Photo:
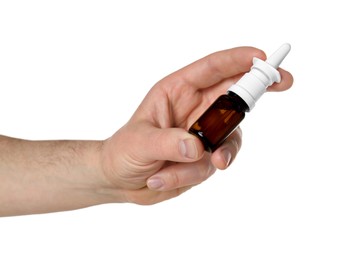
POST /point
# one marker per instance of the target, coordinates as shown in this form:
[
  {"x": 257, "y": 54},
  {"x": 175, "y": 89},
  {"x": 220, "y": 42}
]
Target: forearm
[{"x": 48, "y": 176}]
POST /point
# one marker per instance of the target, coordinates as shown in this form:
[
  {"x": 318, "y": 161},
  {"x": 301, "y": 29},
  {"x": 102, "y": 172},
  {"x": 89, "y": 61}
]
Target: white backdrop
[{"x": 78, "y": 69}]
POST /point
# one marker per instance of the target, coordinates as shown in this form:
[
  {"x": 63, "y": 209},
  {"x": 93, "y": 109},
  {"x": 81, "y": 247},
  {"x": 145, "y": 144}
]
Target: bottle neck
[
  {"x": 252, "y": 85},
  {"x": 242, "y": 105}
]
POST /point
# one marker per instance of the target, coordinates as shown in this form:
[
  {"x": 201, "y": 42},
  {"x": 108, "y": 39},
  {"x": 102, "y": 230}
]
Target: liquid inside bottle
[{"x": 219, "y": 120}]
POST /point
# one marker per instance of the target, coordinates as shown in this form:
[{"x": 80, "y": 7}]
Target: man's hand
[{"x": 153, "y": 157}]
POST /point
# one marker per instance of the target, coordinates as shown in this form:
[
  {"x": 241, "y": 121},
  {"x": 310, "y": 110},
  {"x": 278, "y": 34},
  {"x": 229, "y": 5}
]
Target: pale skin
[{"x": 150, "y": 159}]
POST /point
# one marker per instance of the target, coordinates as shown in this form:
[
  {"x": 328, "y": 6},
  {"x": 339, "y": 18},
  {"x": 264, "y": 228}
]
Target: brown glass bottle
[{"x": 219, "y": 120}]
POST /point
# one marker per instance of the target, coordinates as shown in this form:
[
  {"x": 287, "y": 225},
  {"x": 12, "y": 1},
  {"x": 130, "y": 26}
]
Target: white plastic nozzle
[
  {"x": 276, "y": 58},
  {"x": 262, "y": 75}
]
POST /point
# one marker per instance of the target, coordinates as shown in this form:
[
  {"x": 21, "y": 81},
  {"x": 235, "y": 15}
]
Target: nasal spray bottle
[{"x": 226, "y": 113}]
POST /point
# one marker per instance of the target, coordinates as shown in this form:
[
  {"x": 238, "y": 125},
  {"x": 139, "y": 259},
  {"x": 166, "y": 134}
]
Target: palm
[{"x": 168, "y": 105}]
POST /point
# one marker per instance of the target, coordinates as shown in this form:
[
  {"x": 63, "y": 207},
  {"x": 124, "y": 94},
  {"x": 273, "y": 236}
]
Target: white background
[{"x": 78, "y": 69}]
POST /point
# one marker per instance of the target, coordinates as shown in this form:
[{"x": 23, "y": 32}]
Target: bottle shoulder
[{"x": 231, "y": 101}]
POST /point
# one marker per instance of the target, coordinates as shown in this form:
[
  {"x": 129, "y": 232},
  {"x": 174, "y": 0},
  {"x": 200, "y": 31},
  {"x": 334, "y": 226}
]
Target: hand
[{"x": 153, "y": 158}]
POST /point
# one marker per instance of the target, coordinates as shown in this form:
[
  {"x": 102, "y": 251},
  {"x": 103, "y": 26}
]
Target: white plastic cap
[{"x": 262, "y": 75}]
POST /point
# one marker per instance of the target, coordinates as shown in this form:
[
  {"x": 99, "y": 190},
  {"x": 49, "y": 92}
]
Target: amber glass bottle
[
  {"x": 219, "y": 120},
  {"x": 226, "y": 113}
]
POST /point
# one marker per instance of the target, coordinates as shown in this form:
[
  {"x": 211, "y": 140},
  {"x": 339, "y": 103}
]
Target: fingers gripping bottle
[{"x": 226, "y": 113}]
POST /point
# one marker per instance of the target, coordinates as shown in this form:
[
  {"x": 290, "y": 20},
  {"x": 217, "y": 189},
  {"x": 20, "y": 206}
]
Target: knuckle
[{"x": 175, "y": 180}]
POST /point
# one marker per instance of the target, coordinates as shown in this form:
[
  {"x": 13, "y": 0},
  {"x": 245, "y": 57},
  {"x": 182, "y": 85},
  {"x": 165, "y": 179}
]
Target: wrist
[{"x": 97, "y": 185}]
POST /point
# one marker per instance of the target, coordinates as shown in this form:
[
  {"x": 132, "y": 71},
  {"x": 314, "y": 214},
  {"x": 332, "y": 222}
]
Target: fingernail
[
  {"x": 188, "y": 148},
  {"x": 155, "y": 183},
  {"x": 227, "y": 157}
]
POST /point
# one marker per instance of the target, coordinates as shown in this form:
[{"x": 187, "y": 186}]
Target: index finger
[
  {"x": 218, "y": 66},
  {"x": 285, "y": 83}
]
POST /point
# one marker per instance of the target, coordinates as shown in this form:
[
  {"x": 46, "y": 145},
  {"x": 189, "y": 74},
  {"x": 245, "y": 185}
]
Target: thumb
[{"x": 172, "y": 144}]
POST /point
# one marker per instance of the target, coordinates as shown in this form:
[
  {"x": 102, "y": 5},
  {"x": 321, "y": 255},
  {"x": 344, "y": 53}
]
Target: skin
[{"x": 150, "y": 159}]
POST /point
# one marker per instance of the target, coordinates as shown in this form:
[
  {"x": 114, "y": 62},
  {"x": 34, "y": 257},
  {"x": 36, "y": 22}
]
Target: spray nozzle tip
[{"x": 278, "y": 56}]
